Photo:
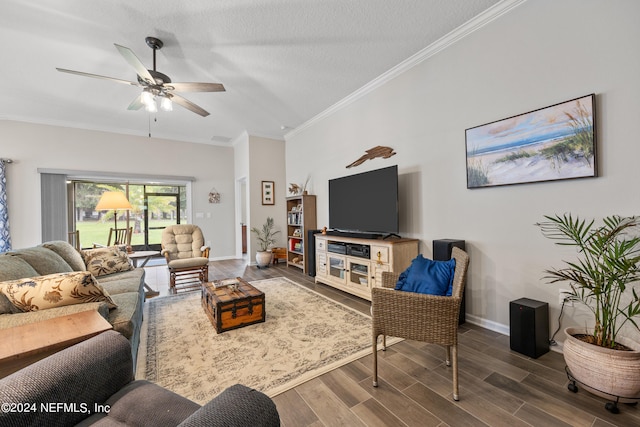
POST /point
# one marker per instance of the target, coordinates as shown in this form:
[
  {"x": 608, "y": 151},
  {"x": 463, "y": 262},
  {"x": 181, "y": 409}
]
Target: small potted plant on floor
[
  {"x": 266, "y": 239},
  {"x": 602, "y": 279}
]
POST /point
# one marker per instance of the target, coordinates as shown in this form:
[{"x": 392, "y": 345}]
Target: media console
[{"x": 355, "y": 265}]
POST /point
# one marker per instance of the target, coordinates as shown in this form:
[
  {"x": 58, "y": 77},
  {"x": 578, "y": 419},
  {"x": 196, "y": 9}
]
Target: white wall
[
  {"x": 541, "y": 53},
  {"x": 33, "y": 146},
  {"x": 243, "y": 203},
  {"x": 266, "y": 163}
]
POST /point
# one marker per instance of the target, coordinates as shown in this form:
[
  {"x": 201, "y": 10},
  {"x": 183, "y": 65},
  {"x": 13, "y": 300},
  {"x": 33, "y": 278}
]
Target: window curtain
[
  {"x": 53, "y": 200},
  {"x": 5, "y": 237}
]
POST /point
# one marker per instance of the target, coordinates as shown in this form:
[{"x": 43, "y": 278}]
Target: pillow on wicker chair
[{"x": 426, "y": 276}]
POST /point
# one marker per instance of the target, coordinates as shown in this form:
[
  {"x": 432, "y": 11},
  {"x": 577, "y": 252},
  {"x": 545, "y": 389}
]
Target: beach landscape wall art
[{"x": 552, "y": 143}]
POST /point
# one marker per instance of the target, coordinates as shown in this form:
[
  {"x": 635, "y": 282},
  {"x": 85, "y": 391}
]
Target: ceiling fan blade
[
  {"x": 188, "y": 105},
  {"x": 136, "y": 104},
  {"x": 133, "y": 60},
  {"x": 97, "y": 76},
  {"x": 196, "y": 87}
]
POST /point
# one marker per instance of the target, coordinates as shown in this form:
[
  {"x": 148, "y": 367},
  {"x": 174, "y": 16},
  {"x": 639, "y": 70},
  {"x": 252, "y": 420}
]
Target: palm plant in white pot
[
  {"x": 602, "y": 279},
  {"x": 266, "y": 239}
]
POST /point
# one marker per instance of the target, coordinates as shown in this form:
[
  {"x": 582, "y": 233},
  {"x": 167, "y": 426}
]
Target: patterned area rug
[{"x": 305, "y": 334}]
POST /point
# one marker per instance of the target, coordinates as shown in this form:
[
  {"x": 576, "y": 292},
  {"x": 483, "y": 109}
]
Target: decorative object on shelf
[
  {"x": 372, "y": 153},
  {"x": 214, "y": 196},
  {"x": 296, "y": 190},
  {"x": 608, "y": 264},
  {"x": 268, "y": 193},
  {"x": 324, "y": 230},
  {"x": 266, "y": 238},
  {"x": 548, "y": 144}
]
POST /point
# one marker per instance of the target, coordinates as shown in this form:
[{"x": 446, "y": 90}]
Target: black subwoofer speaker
[
  {"x": 529, "y": 327},
  {"x": 311, "y": 251},
  {"x": 442, "y": 252}
]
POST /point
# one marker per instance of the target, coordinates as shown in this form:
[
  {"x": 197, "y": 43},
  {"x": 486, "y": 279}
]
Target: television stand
[
  {"x": 353, "y": 234},
  {"x": 355, "y": 264},
  {"x": 390, "y": 235}
]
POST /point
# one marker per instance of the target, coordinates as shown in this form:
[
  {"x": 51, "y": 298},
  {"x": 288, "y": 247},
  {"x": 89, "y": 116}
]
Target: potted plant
[
  {"x": 601, "y": 279},
  {"x": 266, "y": 238}
]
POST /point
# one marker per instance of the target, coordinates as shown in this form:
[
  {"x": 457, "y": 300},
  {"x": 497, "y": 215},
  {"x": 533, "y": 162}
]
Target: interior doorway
[
  {"x": 242, "y": 232},
  {"x": 160, "y": 211}
]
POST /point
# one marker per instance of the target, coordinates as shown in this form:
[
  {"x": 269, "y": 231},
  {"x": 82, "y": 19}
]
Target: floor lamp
[{"x": 115, "y": 200}]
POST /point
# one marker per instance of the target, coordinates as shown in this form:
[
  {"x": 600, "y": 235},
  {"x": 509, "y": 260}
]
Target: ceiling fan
[{"x": 156, "y": 84}]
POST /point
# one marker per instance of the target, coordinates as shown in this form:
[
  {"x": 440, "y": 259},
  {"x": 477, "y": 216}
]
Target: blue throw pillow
[{"x": 426, "y": 276}]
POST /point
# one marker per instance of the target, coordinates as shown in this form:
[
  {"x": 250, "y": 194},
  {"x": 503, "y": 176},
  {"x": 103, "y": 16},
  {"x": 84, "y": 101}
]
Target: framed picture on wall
[
  {"x": 551, "y": 143},
  {"x": 268, "y": 191}
]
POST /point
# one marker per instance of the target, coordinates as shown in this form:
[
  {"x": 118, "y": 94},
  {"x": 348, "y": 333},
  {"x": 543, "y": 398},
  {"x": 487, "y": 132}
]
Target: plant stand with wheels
[{"x": 609, "y": 406}]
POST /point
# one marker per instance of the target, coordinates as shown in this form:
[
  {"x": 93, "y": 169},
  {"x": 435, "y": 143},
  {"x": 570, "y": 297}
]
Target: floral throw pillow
[
  {"x": 103, "y": 261},
  {"x": 55, "y": 290}
]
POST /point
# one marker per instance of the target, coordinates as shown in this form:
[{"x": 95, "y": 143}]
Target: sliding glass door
[
  {"x": 153, "y": 208},
  {"x": 163, "y": 207}
]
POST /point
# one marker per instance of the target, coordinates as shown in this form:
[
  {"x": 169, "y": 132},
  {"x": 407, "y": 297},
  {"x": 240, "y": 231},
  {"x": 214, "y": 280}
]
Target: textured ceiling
[{"x": 282, "y": 62}]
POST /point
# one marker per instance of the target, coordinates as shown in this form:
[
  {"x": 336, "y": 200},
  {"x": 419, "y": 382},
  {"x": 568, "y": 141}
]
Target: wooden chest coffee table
[{"x": 232, "y": 306}]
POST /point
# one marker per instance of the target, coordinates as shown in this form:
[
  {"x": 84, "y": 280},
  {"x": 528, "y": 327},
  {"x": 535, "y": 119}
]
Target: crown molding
[
  {"x": 119, "y": 131},
  {"x": 454, "y": 36}
]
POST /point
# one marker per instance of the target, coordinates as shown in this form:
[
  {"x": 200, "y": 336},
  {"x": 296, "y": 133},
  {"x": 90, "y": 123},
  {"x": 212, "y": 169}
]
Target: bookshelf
[{"x": 301, "y": 216}]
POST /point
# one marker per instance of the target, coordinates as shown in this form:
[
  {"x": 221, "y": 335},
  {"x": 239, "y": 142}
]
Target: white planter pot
[
  {"x": 263, "y": 258},
  {"x": 613, "y": 372}
]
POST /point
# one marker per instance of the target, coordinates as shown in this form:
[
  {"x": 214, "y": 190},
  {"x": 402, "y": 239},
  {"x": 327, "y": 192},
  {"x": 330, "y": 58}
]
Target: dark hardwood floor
[{"x": 498, "y": 387}]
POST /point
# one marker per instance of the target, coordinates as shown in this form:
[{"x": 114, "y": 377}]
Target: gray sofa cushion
[
  {"x": 43, "y": 260},
  {"x": 126, "y": 281},
  {"x": 68, "y": 253},
  {"x": 5, "y": 305},
  {"x": 13, "y": 268},
  {"x": 123, "y": 317},
  {"x": 142, "y": 403},
  {"x": 238, "y": 405}
]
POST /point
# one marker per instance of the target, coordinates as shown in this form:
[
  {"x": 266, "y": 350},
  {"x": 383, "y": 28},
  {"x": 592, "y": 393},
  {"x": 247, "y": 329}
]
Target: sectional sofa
[{"x": 122, "y": 306}]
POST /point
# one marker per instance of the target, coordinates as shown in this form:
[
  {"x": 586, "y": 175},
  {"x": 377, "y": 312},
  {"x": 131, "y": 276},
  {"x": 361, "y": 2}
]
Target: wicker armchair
[{"x": 420, "y": 317}]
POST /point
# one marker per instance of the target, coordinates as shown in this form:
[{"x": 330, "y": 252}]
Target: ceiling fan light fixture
[
  {"x": 147, "y": 98},
  {"x": 152, "y": 107},
  {"x": 166, "y": 104}
]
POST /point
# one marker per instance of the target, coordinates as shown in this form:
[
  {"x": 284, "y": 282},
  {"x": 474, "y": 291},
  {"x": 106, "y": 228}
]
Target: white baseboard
[
  {"x": 223, "y": 258},
  {"x": 487, "y": 324},
  {"x": 502, "y": 329}
]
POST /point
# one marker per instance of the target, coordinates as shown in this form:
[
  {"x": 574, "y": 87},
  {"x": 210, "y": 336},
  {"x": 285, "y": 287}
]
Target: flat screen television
[{"x": 365, "y": 203}]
